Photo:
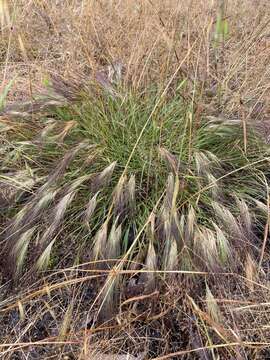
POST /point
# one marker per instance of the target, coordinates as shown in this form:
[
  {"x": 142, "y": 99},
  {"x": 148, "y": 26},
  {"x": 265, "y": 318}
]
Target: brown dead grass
[{"x": 150, "y": 38}]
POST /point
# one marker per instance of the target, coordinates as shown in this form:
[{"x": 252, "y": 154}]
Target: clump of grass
[
  {"x": 133, "y": 181},
  {"x": 129, "y": 159}
]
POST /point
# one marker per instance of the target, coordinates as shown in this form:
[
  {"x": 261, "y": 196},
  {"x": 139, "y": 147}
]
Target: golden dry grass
[{"x": 151, "y": 38}]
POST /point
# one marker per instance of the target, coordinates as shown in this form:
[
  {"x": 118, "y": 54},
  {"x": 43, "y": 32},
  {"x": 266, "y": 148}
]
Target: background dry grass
[
  {"x": 150, "y": 38},
  {"x": 230, "y": 81}
]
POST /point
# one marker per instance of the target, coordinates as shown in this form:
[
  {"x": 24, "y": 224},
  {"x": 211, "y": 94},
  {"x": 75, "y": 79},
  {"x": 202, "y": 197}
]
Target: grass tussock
[{"x": 134, "y": 186}]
